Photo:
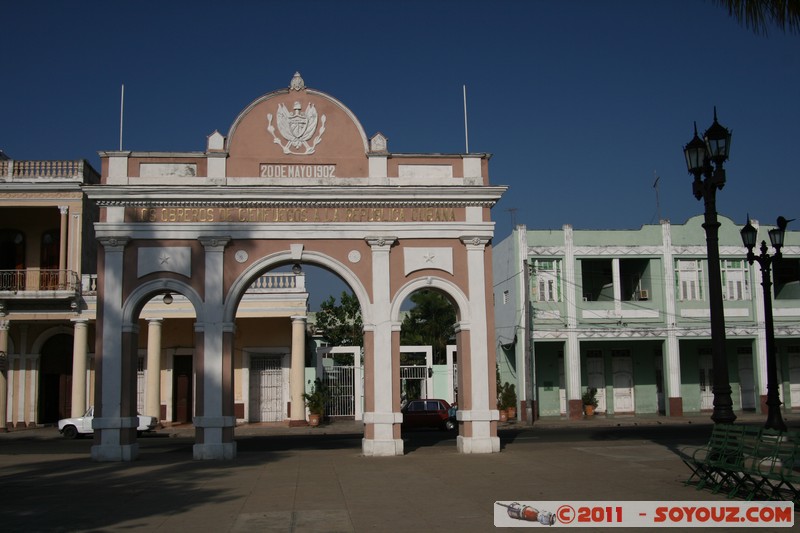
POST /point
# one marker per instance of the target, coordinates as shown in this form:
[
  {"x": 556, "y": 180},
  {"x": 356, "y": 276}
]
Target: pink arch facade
[{"x": 296, "y": 180}]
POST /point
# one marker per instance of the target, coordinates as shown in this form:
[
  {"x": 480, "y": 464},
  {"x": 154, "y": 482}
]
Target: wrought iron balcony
[{"x": 38, "y": 284}]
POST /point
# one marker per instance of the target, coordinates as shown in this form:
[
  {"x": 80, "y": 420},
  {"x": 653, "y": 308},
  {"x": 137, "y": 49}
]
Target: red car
[{"x": 429, "y": 413}]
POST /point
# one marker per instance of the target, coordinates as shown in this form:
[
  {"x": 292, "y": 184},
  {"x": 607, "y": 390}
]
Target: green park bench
[{"x": 747, "y": 461}]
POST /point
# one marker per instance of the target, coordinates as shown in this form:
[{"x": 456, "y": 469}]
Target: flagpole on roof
[
  {"x": 121, "y": 109},
  {"x": 466, "y": 131}
]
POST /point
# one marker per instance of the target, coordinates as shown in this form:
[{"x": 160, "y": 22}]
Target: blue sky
[{"x": 581, "y": 103}]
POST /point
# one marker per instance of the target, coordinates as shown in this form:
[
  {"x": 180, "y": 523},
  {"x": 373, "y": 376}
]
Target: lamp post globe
[{"x": 704, "y": 160}]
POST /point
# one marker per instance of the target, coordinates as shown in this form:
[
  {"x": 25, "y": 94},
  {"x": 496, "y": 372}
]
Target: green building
[{"x": 627, "y": 312}]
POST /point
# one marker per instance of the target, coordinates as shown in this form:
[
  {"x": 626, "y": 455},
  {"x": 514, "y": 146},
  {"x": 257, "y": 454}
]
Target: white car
[{"x": 72, "y": 427}]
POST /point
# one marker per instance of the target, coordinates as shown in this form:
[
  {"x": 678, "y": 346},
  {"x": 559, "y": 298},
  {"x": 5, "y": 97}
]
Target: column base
[
  {"x": 382, "y": 434},
  {"x": 676, "y": 406},
  {"x": 224, "y": 451},
  {"x": 575, "y": 408},
  {"x": 481, "y": 426},
  {"x": 115, "y": 452},
  {"x": 478, "y": 444},
  {"x": 216, "y": 434},
  {"x": 382, "y": 448},
  {"x": 297, "y": 423}
]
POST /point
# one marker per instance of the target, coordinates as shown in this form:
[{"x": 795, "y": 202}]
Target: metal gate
[
  {"x": 140, "y": 384},
  {"x": 266, "y": 389},
  {"x": 340, "y": 381},
  {"x": 413, "y": 382}
]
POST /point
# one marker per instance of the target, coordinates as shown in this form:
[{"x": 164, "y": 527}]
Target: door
[
  {"x": 266, "y": 389},
  {"x": 706, "y": 382},
  {"x": 794, "y": 379},
  {"x": 596, "y": 377},
  {"x": 659, "y": 360},
  {"x": 182, "y": 386},
  {"x": 562, "y": 391},
  {"x": 622, "y": 368},
  {"x": 746, "y": 381},
  {"x": 55, "y": 379}
]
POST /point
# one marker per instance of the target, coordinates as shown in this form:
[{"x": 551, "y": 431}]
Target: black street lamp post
[
  {"x": 749, "y": 236},
  {"x": 704, "y": 159}
]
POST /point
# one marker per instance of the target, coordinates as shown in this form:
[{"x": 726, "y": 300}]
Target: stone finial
[
  {"x": 378, "y": 143},
  {"x": 297, "y": 83}
]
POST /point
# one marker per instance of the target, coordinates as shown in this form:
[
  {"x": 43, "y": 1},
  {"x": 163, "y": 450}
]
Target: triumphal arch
[{"x": 295, "y": 181}]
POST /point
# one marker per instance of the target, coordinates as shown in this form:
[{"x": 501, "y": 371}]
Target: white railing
[
  {"x": 12, "y": 169},
  {"x": 279, "y": 281},
  {"x": 88, "y": 283},
  {"x": 276, "y": 282}
]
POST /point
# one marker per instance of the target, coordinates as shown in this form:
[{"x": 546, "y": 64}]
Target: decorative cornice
[
  {"x": 341, "y": 196},
  {"x": 293, "y": 204},
  {"x": 642, "y": 333}
]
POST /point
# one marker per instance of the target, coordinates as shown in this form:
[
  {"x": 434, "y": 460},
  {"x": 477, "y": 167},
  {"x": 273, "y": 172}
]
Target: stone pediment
[{"x": 297, "y": 128}]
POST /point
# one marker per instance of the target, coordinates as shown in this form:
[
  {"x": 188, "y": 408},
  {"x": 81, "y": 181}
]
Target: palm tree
[{"x": 759, "y": 15}]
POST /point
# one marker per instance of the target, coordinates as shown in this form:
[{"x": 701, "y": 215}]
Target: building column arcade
[
  {"x": 382, "y": 423},
  {"x": 298, "y": 372},
  {"x": 152, "y": 399},
  {"x": 80, "y": 360}
]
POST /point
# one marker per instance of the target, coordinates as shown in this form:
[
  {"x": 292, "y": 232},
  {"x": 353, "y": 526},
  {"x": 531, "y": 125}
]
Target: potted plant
[
  {"x": 316, "y": 401},
  {"x": 589, "y": 399},
  {"x": 509, "y": 399},
  {"x": 501, "y": 401}
]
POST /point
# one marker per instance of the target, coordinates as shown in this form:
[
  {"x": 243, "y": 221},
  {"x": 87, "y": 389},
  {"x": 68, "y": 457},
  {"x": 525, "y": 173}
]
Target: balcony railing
[
  {"x": 34, "y": 282},
  {"x": 28, "y": 170},
  {"x": 278, "y": 282},
  {"x": 266, "y": 283}
]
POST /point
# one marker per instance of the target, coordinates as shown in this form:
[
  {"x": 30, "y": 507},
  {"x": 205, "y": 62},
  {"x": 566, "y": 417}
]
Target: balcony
[
  {"x": 26, "y": 171},
  {"x": 39, "y": 284}
]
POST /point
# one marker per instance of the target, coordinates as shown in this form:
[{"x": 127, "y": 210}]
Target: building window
[
  {"x": 547, "y": 280},
  {"x": 786, "y": 279},
  {"x": 634, "y": 279},
  {"x": 597, "y": 277},
  {"x": 689, "y": 274},
  {"x": 734, "y": 280}
]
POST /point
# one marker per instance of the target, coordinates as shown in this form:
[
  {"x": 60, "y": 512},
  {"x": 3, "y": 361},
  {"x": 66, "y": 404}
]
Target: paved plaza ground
[{"x": 315, "y": 479}]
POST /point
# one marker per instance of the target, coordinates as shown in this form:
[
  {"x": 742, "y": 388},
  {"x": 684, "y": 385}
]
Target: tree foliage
[
  {"x": 341, "y": 324},
  {"x": 760, "y": 15},
  {"x": 431, "y": 322}
]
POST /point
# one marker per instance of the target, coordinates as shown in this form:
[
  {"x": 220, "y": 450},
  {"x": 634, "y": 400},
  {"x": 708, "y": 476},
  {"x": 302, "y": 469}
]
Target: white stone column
[
  {"x": 572, "y": 354},
  {"x": 382, "y": 419},
  {"x": 482, "y": 438},
  {"x": 213, "y": 425},
  {"x": 110, "y": 424},
  {"x": 62, "y": 244},
  {"x": 79, "y": 364},
  {"x": 152, "y": 399},
  {"x": 298, "y": 371},
  {"x": 4, "y": 359},
  {"x": 672, "y": 357}
]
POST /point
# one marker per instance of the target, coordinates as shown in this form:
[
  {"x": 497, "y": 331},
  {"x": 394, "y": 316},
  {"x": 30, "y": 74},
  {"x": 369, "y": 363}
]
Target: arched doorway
[
  {"x": 295, "y": 181},
  {"x": 55, "y": 379}
]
